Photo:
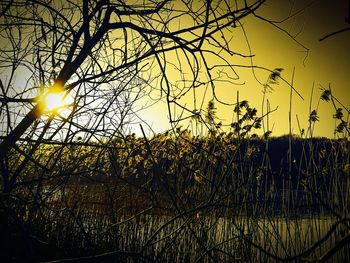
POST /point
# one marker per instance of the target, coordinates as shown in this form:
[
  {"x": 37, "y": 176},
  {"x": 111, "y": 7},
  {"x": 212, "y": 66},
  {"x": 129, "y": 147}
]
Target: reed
[{"x": 176, "y": 197}]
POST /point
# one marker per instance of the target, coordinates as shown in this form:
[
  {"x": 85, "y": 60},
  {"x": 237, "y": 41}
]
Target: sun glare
[{"x": 55, "y": 99}]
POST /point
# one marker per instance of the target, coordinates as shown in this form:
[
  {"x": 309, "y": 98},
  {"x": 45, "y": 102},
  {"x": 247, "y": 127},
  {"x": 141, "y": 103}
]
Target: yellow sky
[
  {"x": 318, "y": 64},
  {"x": 327, "y": 62}
]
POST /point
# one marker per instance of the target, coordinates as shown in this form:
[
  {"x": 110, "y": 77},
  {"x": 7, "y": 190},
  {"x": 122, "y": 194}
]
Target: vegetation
[
  {"x": 218, "y": 197},
  {"x": 77, "y": 186}
]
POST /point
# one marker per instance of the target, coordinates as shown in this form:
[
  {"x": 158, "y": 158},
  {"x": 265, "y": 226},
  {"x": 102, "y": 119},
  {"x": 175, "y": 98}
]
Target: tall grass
[{"x": 176, "y": 197}]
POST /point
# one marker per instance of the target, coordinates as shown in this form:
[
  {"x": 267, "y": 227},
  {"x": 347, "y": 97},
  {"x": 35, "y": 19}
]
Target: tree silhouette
[
  {"x": 74, "y": 45},
  {"x": 104, "y": 56},
  {"x": 106, "y": 61}
]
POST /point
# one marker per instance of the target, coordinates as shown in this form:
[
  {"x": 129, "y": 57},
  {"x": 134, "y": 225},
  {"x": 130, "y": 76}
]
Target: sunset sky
[
  {"x": 323, "y": 63},
  {"x": 287, "y": 37}
]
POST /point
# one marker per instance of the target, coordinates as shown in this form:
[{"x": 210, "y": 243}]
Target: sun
[{"x": 54, "y": 99}]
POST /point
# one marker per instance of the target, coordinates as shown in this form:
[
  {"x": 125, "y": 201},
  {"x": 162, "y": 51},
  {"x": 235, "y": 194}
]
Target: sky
[
  {"x": 316, "y": 64},
  {"x": 293, "y": 47}
]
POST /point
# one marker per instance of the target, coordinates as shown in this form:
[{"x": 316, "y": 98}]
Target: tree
[
  {"x": 102, "y": 61},
  {"x": 71, "y": 46},
  {"x": 99, "y": 57}
]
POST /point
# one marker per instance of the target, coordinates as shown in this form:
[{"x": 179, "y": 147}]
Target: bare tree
[
  {"x": 102, "y": 57},
  {"x": 108, "y": 60},
  {"x": 74, "y": 46}
]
